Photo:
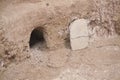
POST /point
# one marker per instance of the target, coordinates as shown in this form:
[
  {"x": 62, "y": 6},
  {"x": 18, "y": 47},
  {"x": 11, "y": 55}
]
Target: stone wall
[{"x": 18, "y": 18}]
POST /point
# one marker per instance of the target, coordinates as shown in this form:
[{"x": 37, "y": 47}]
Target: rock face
[
  {"x": 19, "y": 18},
  {"x": 79, "y": 34}
]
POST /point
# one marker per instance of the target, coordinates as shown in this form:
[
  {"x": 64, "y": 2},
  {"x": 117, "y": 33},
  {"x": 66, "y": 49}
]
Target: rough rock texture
[
  {"x": 99, "y": 62},
  {"x": 18, "y": 18}
]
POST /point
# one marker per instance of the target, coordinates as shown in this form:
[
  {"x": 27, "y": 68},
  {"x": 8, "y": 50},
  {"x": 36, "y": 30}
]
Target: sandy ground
[{"x": 100, "y": 61}]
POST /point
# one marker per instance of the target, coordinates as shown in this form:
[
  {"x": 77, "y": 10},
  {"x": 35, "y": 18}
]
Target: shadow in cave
[{"x": 37, "y": 38}]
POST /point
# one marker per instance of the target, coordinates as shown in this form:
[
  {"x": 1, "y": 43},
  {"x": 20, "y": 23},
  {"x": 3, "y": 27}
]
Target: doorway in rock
[{"x": 37, "y": 39}]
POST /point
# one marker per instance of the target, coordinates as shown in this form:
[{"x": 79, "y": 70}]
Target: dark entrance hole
[{"x": 37, "y": 38}]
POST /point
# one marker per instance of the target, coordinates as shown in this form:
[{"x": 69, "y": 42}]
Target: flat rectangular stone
[
  {"x": 79, "y": 43},
  {"x": 79, "y": 28}
]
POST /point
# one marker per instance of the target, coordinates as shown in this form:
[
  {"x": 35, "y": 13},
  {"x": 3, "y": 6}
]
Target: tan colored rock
[
  {"x": 19, "y": 18},
  {"x": 79, "y": 34},
  {"x": 57, "y": 58}
]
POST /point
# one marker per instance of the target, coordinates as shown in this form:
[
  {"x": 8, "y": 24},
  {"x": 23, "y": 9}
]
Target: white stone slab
[
  {"x": 79, "y": 43},
  {"x": 79, "y": 34},
  {"x": 78, "y": 28}
]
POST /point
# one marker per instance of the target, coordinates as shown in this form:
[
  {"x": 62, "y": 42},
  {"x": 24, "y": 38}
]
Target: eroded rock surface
[{"x": 19, "y": 18}]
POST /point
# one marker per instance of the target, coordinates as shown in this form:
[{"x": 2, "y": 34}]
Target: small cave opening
[{"x": 37, "y": 38}]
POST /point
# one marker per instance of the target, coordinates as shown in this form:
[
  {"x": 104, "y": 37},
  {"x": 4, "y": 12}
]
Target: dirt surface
[
  {"x": 18, "y": 18},
  {"x": 101, "y": 61}
]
